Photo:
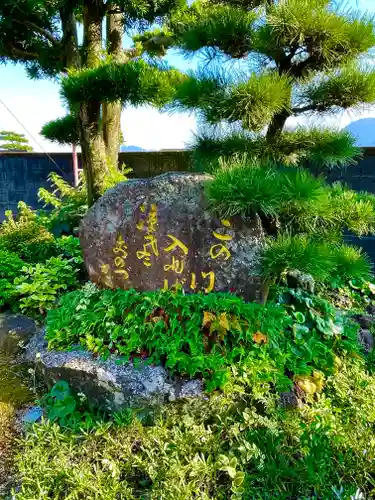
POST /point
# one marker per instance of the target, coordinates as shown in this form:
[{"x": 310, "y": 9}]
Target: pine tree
[
  {"x": 43, "y": 37},
  {"x": 268, "y": 61},
  {"x": 13, "y": 141}
]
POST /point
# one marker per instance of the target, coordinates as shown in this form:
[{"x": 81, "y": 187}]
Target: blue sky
[{"x": 37, "y": 102}]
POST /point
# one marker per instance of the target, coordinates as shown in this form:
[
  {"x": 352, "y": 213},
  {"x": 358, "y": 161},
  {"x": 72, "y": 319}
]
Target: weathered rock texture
[
  {"x": 106, "y": 383},
  {"x": 15, "y": 331},
  {"x": 155, "y": 233}
]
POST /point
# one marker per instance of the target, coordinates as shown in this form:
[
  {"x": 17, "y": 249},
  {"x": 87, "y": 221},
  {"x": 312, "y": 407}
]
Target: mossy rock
[{"x": 15, "y": 331}]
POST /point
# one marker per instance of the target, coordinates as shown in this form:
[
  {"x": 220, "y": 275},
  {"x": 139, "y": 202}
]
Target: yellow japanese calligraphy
[
  {"x": 211, "y": 285},
  {"x": 150, "y": 246},
  {"x": 124, "y": 273},
  {"x": 177, "y": 266},
  {"x": 120, "y": 261},
  {"x": 178, "y": 284},
  {"x": 222, "y": 237},
  {"x": 145, "y": 254},
  {"x": 104, "y": 268},
  {"x": 193, "y": 283},
  {"x": 176, "y": 243},
  {"x": 226, "y": 223},
  {"x": 152, "y": 219},
  {"x": 219, "y": 249},
  {"x": 120, "y": 246}
]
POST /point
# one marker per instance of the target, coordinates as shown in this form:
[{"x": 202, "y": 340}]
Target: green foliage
[
  {"x": 13, "y": 141},
  {"x": 199, "y": 334},
  {"x": 344, "y": 89},
  {"x": 219, "y": 26},
  {"x": 253, "y": 103},
  {"x": 10, "y": 265},
  {"x": 317, "y": 148},
  {"x": 288, "y": 252},
  {"x": 69, "y": 203},
  {"x": 297, "y": 57},
  {"x": 238, "y": 444},
  {"x": 27, "y": 234},
  {"x": 351, "y": 264},
  {"x": 326, "y": 36},
  {"x": 62, "y": 130},
  {"x": 299, "y": 201},
  {"x": 10, "y": 268},
  {"x": 38, "y": 287},
  {"x": 335, "y": 264},
  {"x": 245, "y": 188},
  {"x": 135, "y": 82}
]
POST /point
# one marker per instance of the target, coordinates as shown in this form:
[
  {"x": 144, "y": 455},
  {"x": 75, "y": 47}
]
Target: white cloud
[{"x": 149, "y": 129}]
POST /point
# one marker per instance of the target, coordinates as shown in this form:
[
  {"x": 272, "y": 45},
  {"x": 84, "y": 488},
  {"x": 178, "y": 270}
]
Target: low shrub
[
  {"x": 202, "y": 334},
  {"x": 299, "y": 201},
  {"x": 10, "y": 267},
  {"x": 39, "y": 286},
  {"x": 236, "y": 444},
  {"x": 27, "y": 234},
  {"x": 333, "y": 264}
]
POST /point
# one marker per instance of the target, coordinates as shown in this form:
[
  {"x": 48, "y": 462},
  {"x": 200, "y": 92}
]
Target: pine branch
[
  {"x": 38, "y": 29},
  {"x": 135, "y": 82},
  {"x": 22, "y": 54}
]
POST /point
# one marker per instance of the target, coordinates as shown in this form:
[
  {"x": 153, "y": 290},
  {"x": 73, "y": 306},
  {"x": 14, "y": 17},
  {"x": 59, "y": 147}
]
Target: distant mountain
[
  {"x": 364, "y": 131},
  {"x": 126, "y": 149}
]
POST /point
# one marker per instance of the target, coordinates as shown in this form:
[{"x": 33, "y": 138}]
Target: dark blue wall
[{"x": 22, "y": 174}]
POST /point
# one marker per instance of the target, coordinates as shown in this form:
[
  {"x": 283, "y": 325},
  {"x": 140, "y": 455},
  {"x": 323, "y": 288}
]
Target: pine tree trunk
[
  {"x": 276, "y": 126},
  {"x": 112, "y": 110},
  {"x": 70, "y": 36},
  {"x": 92, "y": 143}
]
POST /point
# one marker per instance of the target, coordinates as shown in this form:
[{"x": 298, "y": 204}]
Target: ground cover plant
[
  {"x": 235, "y": 444},
  {"x": 37, "y": 265},
  {"x": 204, "y": 335}
]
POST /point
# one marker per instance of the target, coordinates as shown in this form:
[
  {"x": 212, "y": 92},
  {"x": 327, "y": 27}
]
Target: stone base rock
[
  {"x": 297, "y": 279},
  {"x": 366, "y": 339},
  {"x": 15, "y": 331},
  {"x": 159, "y": 233},
  {"x": 109, "y": 383}
]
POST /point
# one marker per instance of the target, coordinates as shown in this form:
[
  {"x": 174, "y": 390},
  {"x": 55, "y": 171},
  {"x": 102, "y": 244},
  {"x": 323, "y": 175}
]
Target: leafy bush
[
  {"x": 237, "y": 444},
  {"x": 7, "y": 290},
  {"x": 39, "y": 286},
  {"x": 69, "y": 204},
  {"x": 10, "y": 268},
  {"x": 27, "y": 234},
  {"x": 200, "y": 334},
  {"x": 10, "y": 265},
  {"x": 288, "y": 252},
  {"x": 350, "y": 263}
]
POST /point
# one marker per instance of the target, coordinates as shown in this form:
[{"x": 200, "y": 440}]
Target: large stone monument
[{"x": 158, "y": 233}]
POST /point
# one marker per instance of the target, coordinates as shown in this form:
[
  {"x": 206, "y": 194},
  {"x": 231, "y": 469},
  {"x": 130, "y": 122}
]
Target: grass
[{"x": 7, "y": 436}]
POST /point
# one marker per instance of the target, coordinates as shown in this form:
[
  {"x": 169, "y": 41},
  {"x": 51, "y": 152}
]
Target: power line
[{"x": 32, "y": 137}]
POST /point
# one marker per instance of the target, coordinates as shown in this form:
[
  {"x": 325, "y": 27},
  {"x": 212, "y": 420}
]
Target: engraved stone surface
[{"x": 158, "y": 233}]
